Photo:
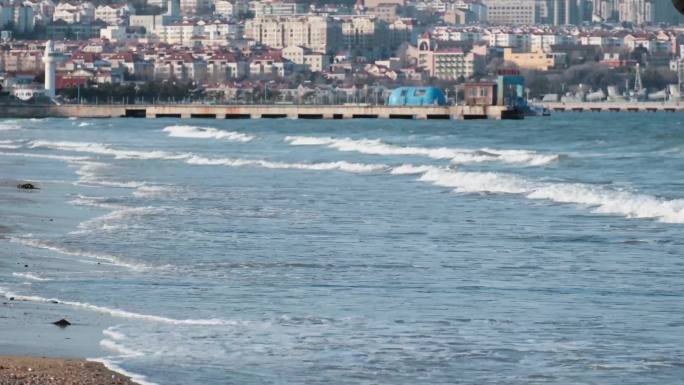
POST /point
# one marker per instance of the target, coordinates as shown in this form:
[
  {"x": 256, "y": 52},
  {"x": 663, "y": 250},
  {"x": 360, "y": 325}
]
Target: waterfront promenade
[{"x": 186, "y": 111}]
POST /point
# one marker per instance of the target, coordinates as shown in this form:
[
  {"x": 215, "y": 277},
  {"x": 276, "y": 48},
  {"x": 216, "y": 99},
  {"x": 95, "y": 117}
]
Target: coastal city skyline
[
  {"x": 352, "y": 192},
  {"x": 308, "y": 52}
]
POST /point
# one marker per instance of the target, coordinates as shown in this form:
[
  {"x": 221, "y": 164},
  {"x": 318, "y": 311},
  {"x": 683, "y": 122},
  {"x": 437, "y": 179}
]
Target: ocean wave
[
  {"x": 119, "y": 214},
  {"x": 30, "y": 276},
  {"x": 84, "y": 124},
  {"x": 455, "y": 155},
  {"x": 89, "y": 171},
  {"x": 114, "y": 367},
  {"x": 195, "y": 132},
  {"x": 83, "y": 200},
  {"x": 103, "y": 149},
  {"x": 156, "y": 191},
  {"x": 325, "y": 166},
  {"x": 47, "y": 156},
  {"x": 9, "y": 145},
  {"x": 112, "y": 333},
  {"x": 602, "y": 200},
  {"x": 10, "y": 125},
  {"x": 105, "y": 258},
  {"x": 119, "y": 349},
  {"x": 118, "y": 312}
]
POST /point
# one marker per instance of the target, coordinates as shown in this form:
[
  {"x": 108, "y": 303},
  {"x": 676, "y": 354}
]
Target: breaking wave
[
  {"x": 9, "y": 125},
  {"x": 8, "y": 145},
  {"x": 103, "y": 149},
  {"x": 340, "y": 165},
  {"x": 118, "y": 312},
  {"x": 455, "y": 155},
  {"x": 156, "y": 191},
  {"x": 206, "y": 133},
  {"x": 602, "y": 200},
  {"x": 105, "y": 258},
  {"x": 47, "y": 156},
  {"x": 30, "y": 276},
  {"x": 119, "y": 349},
  {"x": 103, "y": 222},
  {"x": 114, "y": 367}
]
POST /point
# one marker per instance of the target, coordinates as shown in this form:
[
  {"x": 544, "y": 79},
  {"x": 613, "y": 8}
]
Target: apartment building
[{"x": 318, "y": 33}]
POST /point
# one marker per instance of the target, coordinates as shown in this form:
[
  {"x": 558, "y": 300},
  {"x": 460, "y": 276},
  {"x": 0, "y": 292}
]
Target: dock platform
[{"x": 188, "y": 111}]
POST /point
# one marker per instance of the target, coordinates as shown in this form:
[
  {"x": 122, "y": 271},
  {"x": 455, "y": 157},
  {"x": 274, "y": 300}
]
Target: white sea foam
[
  {"x": 120, "y": 349},
  {"x": 206, "y": 133},
  {"x": 114, "y": 367},
  {"x": 84, "y": 124},
  {"x": 112, "y": 333},
  {"x": 103, "y": 149},
  {"x": 9, "y": 145},
  {"x": 155, "y": 191},
  {"x": 120, "y": 214},
  {"x": 600, "y": 199},
  {"x": 46, "y": 156},
  {"x": 83, "y": 200},
  {"x": 455, "y": 155},
  {"x": 89, "y": 171},
  {"x": 105, "y": 258},
  {"x": 30, "y": 276},
  {"x": 119, "y": 313},
  {"x": 9, "y": 125},
  {"x": 340, "y": 165}
]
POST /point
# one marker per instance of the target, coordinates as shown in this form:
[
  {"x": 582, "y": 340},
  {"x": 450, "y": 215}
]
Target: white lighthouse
[{"x": 50, "y": 59}]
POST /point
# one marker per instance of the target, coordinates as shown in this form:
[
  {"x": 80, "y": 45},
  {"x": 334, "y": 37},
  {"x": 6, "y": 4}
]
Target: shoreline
[{"x": 43, "y": 370}]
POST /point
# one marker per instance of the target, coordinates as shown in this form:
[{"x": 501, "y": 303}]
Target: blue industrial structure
[{"x": 417, "y": 96}]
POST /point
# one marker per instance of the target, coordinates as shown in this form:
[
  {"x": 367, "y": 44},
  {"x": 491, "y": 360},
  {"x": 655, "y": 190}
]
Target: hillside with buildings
[{"x": 290, "y": 50}]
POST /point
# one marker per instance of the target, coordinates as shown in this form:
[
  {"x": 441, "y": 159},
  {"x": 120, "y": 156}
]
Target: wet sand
[{"x": 16, "y": 370}]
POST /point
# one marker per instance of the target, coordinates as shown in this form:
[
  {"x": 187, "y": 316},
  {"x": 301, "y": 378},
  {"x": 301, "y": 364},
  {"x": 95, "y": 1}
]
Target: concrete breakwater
[
  {"x": 614, "y": 107},
  {"x": 184, "y": 111}
]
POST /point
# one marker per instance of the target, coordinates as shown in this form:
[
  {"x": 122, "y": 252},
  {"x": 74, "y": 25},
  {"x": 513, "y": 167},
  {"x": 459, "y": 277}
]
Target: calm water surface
[{"x": 547, "y": 251}]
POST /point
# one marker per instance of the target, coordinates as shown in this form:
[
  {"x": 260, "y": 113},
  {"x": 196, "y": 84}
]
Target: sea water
[{"x": 544, "y": 251}]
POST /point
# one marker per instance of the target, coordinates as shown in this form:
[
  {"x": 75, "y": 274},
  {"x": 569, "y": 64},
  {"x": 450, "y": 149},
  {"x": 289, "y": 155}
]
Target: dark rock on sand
[{"x": 62, "y": 323}]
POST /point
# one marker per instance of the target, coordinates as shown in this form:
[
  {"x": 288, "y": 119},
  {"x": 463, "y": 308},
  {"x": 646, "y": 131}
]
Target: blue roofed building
[{"x": 417, "y": 96}]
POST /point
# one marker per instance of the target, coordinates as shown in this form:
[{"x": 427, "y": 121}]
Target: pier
[
  {"x": 614, "y": 107},
  {"x": 252, "y": 111}
]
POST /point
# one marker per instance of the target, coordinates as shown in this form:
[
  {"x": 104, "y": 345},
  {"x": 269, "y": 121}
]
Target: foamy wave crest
[
  {"x": 112, "y": 333},
  {"x": 119, "y": 313},
  {"x": 88, "y": 174},
  {"x": 30, "y": 276},
  {"x": 601, "y": 200},
  {"x": 109, "y": 259},
  {"x": 9, "y": 125},
  {"x": 46, "y": 156},
  {"x": 84, "y": 124},
  {"x": 120, "y": 214},
  {"x": 103, "y": 149},
  {"x": 341, "y": 165},
  {"x": 9, "y": 145},
  {"x": 455, "y": 155},
  {"x": 206, "y": 133},
  {"x": 114, "y": 367},
  {"x": 156, "y": 191},
  {"x": 119, "y": 349},
  {"x": 83, "y": 200}
]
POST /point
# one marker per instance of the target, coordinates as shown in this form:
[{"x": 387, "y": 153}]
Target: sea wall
[{"x": 256, "y": 111}]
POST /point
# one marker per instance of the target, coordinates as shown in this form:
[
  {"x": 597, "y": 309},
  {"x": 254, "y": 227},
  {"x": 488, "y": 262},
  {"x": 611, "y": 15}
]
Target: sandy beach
[{"x": 42, "y": 371}]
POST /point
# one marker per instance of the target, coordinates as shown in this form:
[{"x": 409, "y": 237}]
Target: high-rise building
[
  {"x": 512, "y": 12},
  {"x": 568, "y": 12},
  {"x": 318, "y": 33}
]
